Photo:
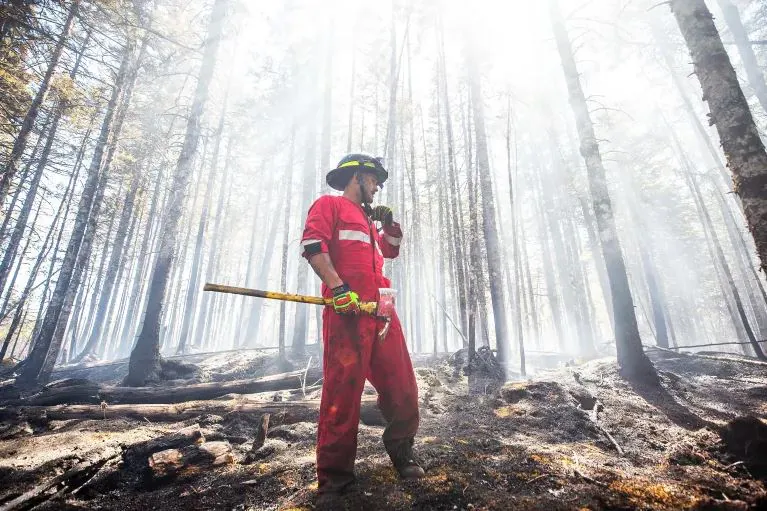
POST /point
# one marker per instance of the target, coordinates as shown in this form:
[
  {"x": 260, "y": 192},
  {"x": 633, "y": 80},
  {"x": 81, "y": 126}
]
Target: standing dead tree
[
  {"x": 145, "y": 358},
  {"x": 631, "y": 357},
  {"x": 729, "y": 113}
]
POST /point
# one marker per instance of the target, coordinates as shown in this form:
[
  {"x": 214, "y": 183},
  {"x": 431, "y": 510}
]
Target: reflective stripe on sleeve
[{"x": 391, "y": 240}]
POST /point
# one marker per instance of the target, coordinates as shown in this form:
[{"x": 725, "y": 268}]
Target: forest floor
[{"x": 578, "y": 437}]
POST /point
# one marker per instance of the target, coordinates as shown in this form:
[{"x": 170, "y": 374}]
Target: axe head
[{"x": 385, "y": 310}]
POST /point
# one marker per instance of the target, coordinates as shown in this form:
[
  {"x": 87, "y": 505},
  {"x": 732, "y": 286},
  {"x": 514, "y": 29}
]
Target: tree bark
[
  {"x": 144, "y": 363},
  {"x": 729, "y": 113},
  {"x": 631, "y": 356}
]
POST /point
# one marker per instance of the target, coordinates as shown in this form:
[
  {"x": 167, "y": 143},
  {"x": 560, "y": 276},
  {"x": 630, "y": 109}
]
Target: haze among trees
[{"x": 562, "y": 186}]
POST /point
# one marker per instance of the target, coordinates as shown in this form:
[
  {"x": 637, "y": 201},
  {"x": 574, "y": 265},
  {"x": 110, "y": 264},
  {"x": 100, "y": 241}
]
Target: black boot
[{"x": 401, "y": 454}]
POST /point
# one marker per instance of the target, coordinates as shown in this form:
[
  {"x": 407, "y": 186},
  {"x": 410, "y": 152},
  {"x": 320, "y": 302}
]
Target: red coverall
[{"x": 352, "y": 351}]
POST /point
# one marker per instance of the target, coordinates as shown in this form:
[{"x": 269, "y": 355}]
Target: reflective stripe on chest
[{"x": 351, "y": 235}]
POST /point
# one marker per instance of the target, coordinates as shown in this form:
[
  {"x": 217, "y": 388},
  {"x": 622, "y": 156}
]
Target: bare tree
[
  {"x": 631, "y": 357},
  {"x": 490, "y": 229},
  {"x": 145, "y": 358}
]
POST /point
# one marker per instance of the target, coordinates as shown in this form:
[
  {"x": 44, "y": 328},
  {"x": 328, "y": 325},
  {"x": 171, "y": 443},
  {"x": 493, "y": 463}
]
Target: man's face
[{"x": 368, "y": 185}]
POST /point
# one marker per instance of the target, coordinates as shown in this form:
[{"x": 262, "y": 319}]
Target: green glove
[
  {"x": 345, "y": 301},
  {"x": 382, "y": 214}
]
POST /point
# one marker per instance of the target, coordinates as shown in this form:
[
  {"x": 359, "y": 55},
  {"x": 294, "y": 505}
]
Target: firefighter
[{"x": 346, "y": 251}]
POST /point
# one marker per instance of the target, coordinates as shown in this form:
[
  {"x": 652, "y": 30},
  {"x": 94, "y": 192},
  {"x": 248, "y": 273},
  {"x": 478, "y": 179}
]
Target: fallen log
[
  {"x": 734, "y": 358},
  {"x": 172, "y": 461},
  {"x": 92, "y": 393},
  {"x": 283, "y": 412},
  {"x": 139, "y": 452}
]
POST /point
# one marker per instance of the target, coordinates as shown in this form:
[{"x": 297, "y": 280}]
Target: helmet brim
[{"x": 339, "y": 177}]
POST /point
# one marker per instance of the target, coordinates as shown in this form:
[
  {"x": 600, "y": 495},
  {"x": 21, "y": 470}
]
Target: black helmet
[{"x": 351, "y": 163}]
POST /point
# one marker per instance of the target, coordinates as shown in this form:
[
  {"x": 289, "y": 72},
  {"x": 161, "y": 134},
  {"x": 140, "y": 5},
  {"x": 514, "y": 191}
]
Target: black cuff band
[
  {"x": 343, "y": 288},
  {"x": 313, "y": 248}
]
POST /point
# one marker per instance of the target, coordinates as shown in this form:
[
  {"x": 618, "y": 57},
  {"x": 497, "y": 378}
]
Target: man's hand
[
  {"x": 345, "y": 301},
  {"x": 382, "y": 214}
]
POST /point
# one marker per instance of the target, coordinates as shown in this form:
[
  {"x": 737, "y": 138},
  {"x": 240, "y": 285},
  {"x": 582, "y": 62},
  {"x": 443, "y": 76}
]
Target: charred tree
[
  {"x": 490, "y": 229},
  {"x": 145, "y": 359},
  {"x": 729, "y": 113},
  {"x": 631, "y": 356}
]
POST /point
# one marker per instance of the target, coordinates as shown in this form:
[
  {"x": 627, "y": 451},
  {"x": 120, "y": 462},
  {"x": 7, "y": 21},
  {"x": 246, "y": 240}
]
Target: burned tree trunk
[
  {"x": 144, "y": 363},
  {"x": 631, "y": 357},
  {"x": 729, "y": 113},
  {"x": 490, "y": 229},
  {"x": 126, "y": 335}
]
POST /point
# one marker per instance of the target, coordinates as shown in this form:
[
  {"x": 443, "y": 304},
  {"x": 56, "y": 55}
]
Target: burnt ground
[{"x": 572, "y": 438}]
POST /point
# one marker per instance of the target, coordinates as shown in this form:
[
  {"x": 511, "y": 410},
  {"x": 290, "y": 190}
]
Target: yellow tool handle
[{"x": 366, "y": 307}]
